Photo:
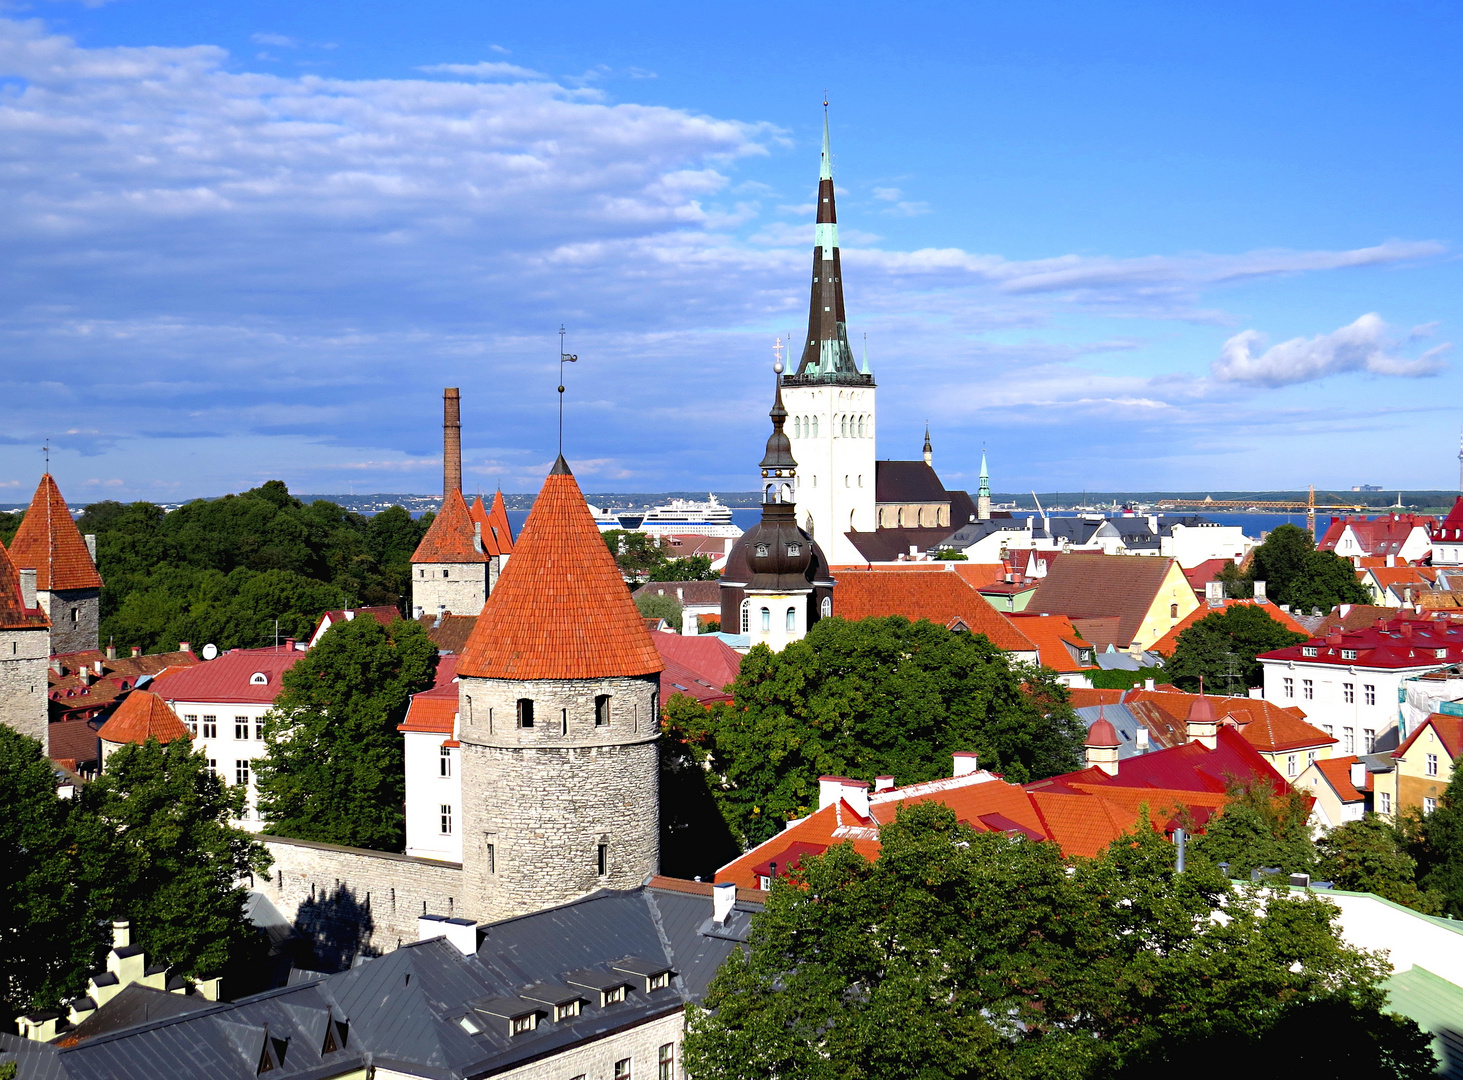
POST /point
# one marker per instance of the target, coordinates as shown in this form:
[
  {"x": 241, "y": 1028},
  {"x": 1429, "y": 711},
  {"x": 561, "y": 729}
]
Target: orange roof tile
[
  {"x": 1170, "y": 640},
  {"x": 921, "y": 594},
  {"x": 449, "y": 538},
  {"x": 479, "y": 515},
  {"x": 498, "y": 525},
  {"x": 560, "y": 610},
  {"x": 1266, "y": 726},
  {"x": 14, "y": 615},
  {"x": 1052, "y": 635},
  {"x": 1337, "y": 771},
  {"x": 142, "y": 716},
  {"x": 49, "y": 543}
]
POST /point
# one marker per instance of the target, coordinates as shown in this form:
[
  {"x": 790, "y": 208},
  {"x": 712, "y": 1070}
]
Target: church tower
[
  {"x": 983, "y": 496},
  {"x": 775, "y": 584},
  {"x": 830, "y": 403},
  {"x": 68, "y": 586},
  {"x": 558, "y": 715}
]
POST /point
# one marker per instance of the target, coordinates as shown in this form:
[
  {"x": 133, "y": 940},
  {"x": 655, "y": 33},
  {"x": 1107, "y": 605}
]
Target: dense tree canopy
[
  {"x": 658, "y": 606},
  {"x": 1256, "y": 829},
  {"x": 1438, "y": 845},
  {"x": 1370, "y": 855},
  {"x": 160, "y": 851},
  {"x": 333, "y": 769},
  {"x": 224, "y": 570},
  {"x": 960, "y": 954},
  {"x": 642, "y": 557},
  {"x": 868, "y": 698},
  {"x": 1221, "y": 648},
  {"x": 48, "y": 920},
  {"x": 1295, "y": 573}
]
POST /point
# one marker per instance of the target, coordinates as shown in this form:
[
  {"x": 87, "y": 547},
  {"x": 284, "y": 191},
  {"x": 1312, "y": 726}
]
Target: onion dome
[{"x": 1102, "y": 735}]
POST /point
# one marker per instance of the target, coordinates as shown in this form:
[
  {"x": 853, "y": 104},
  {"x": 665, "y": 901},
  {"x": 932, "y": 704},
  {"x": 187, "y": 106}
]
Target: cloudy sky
[{"x": 1122, "y": 246}]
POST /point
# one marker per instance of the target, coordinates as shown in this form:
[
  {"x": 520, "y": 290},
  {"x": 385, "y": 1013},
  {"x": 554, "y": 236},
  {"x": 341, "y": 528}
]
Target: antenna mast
[{"x": 564, "y": 358}]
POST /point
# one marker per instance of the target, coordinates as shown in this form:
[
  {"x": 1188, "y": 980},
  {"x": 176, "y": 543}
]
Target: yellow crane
[{"x": 1309, "y": 506}]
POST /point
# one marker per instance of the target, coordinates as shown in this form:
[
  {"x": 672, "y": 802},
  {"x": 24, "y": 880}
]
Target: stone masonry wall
[
  {"x": 461, "y": 592},
  {"x": 545, "y": 798},
  {"x": 348, "y": 901},
  {"x": 23, "y": 658},
  {"x": 70, "y": 635}
]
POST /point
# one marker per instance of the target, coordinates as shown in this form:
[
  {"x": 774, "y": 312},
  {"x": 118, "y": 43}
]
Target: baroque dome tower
[{"x": 776, "y": 584}]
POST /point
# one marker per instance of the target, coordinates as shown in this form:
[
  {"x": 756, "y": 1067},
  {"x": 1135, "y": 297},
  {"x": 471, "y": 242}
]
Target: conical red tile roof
[
  {"x": 49, "y": 543},
  {"x": 479, "y": 514},
  {"x": 561, "y": 609},
  {"x": 498, "y": 522},
  {"x": 13, "y": 613},
  {"x": 143, "y": 716},
  {"x": 449, "y": 538}
]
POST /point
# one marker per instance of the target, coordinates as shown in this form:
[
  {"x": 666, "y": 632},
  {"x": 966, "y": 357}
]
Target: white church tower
[{"x": 830, "y": 402}]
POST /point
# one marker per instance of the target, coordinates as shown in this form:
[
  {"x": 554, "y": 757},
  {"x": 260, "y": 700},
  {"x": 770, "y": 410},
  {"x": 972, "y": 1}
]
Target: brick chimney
[{"x": 451, "y": 441}]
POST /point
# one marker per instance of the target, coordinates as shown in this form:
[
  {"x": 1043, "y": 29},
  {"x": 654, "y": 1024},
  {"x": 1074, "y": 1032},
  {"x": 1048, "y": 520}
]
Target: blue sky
[{"x": 1122, "y": 246}]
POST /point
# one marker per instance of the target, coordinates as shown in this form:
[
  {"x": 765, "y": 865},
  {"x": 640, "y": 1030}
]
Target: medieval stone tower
[
  {"x": 68, "y": 586},
  {"x": 24, "y": 649},
  {"x": 830, "y": 402},
  {"x": 558, "y": 710}
]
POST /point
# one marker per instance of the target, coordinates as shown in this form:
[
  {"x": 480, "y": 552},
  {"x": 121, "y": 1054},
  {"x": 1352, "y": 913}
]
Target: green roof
[{"x": 1437, "y": 1006}]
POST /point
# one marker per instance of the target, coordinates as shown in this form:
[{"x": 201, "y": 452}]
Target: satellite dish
[{"x": 210, "y": 651}]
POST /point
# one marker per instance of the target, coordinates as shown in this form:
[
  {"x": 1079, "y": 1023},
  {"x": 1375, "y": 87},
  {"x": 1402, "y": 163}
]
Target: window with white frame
[
  {"x": 1370, "y": 693},
  {"x": 1429, "y": 805},
  {"x": 792, "y": 620},
  {"x": 259, "y": 729},
  {"x": 666, "y": 1065},
  {"x": 826, "y": 607},
  {"x": 192, "y": 721},
  {"x": 746, "y": 616},
  {"x": 1291, "y": 764},
  {"x": 1307, "y": 689},
  {"x": 210, "y": 727},
  {"x": 1432, "y": 764},
  {"x": 1348, "y": 693},
  {"x": 241, "y": 729},
  {"x": 1384, "y": 801},
  {"x": 444, "y": 761},
  {"x": 1348, "y": 654},
  {"x": 1369, "y": 739},
  {"x": 446, "y": 819},
  {"x": 241, "y": 772},
  {"x": 622, "y": 1069},
  {"x": 1348, "y": 740},
  {"x": 1289, "y": 685},
  {"x": 766, "y": 620}
]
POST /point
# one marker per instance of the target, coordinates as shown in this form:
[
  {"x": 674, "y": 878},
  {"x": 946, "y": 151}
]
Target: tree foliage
[
  {"x": 1295, "y": 573},
  {"x": 659, "y": 606},
  {"x": 1259, "y": 829},
  {"x": 1438, "y": 844},
  {"x": 223, "y": 570},
  {"x": 333, "y": 769},
  {"x": 48, "y": 919},
  {"x": 642, "y": 557},
  {"x": 1370, "y": 855},
  {"x": 1221, "y": 648},
  {"x": 868, "y": 698},
  {"x": 161, "y": 851},
  {"x": 960, "y": 954}
]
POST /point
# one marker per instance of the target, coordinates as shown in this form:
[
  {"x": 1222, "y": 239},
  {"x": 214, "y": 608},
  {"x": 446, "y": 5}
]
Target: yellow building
[
  {"x": 1148, "y": 595},
  {"x": 1424, "y": 766}
]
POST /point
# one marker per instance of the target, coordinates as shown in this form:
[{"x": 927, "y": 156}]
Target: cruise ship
[{"x": 710, "y": 518}]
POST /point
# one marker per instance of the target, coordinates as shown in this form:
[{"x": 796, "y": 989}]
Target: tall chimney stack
[{"x": 451, "y": 441}]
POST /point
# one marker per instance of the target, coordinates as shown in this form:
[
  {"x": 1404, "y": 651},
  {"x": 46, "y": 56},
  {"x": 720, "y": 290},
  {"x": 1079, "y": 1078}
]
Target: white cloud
[
  {"x": 279, "y": 40},
  {"x": 888, "y": 194},
  {"x": 485, "y": 69},
  {"x": 1364, "y": 345}
]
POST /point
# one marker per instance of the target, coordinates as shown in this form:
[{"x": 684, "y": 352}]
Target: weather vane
[
  {"x": 564, "y": 358},
  {"x": 46, "y": 449}
]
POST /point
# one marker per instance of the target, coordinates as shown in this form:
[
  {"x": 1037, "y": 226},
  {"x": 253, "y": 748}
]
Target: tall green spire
[
  {"x": 985, "y": 478},
  {"x": 826, "y": 355}
]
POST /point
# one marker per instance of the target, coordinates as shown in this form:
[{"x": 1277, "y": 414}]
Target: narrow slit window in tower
[
  {"x": 602, "y": 859},
  {"x": 525, "y": 712},
  {"x": 601, "y": 710}
]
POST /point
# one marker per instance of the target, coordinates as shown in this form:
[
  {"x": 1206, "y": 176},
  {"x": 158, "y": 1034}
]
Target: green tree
[
  {"x": 659, "y": 606},
  {"x": 642, "y": 557},
  {"x": 1370, "y": 855},
  {"x": 334, "y": 760},
  {"x": 964, "y": 954},
  {"x": 49, "y": 921},
  {"x": 1440, "y": 847},
  {"x": 10, "y": 525},
  {"x": 1221, "y": 648},
  {"x": 1295, "y": 573},
  {"x": 875, "y": 697},
  {"x": 161, "y": 852},
  {"x": 1258, "y": 828}
]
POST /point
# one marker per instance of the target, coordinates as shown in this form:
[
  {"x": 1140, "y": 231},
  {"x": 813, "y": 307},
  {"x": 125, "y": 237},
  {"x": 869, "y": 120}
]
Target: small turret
[
  {"x": 983, "y": 497},
  {"x": 1102, "y": 745},
  {"x": 1203, "y": 725},
  {"x": 929, "y": 448}
]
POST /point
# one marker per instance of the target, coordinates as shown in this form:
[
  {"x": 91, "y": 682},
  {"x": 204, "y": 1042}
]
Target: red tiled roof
[
  {"x": 1451, "y": 527},
  {"x": 71, "y": 692},
  {"x": 73, "y": 740},
  {"x": 449, "y": 538},
  {"x": 1170, "y": 640},
  {"x": 560, "y": 609},
  {"x": 49, "y": 543},
  {"x": 1337, "y": 771},
  {"x": 498, "y": 526},
  {"x": 708, "y": 657},
  {"x": 1449, "y": 730},
  {"x": 1402, "y": 642},
  {"x": 1121, "y": 585},
  {"x": 1189, "y": 767},
  {"x": 940, "y": 597},
  {"x": 142, "y": 716},
  {"x": 1383, "y": 535},
  {"x": 227, "y": 679},
  {"x": 1055, "y": 638},
  {"x": 1201, "y": 575},
  {"x": 14, "y": 615},
  {"x": 432, "y": 710},
  {"x": 447, "y": 631}
]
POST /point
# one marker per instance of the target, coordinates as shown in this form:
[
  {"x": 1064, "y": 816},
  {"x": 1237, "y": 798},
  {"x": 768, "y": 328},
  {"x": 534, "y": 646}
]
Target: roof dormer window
[
  {"x": 1309, "y": 650},
  {"x": 1348, "y": 654},
  {"x": 1442, "y": 654},
  {"x": 259, "y": 678},
  {"x": 761, "y": 551},
  {"x": 794, "y": 550}
]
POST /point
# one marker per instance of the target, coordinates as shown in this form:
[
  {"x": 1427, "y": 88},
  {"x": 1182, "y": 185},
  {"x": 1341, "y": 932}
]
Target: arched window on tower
[
  {"x": 826, "y": 607},
  {"x": 766, "y": 620},
  {"x": 843, "y": 426},
  {"x": 815, "y": 427},
  {"x": 746, "y": 616},
  {"x": 786, "y": 493},
  {"x": 792, "y": 620},
  {"x": 860, "y": 427}
]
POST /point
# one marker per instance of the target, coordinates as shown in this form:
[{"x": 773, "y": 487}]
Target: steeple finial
[
  {"x": 826, "y": 354},
  {"x": 825, "y": 168},
  {"x": 929, "y": 449}
]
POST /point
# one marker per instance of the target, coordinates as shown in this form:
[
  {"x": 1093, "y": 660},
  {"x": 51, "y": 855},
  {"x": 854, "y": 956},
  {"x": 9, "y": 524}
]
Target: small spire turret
[
  {"x": 983, "y": 496},
  {"x": 929, "y": 449}
]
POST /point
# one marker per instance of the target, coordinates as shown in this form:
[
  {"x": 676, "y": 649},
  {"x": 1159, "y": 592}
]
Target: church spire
[
  {"x": 827, "y": 356},
  {"x": 929, "y": 449},
  {"x": 779, "y": 469},
  {"x": 983, "y": 496}
]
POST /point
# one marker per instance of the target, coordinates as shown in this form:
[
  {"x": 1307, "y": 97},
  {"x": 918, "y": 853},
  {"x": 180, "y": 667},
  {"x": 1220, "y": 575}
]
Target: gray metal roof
[{"x": 402, "y": 1009}]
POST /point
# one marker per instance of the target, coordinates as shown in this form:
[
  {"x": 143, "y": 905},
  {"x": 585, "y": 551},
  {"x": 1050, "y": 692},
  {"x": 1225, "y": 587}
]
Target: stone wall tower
[
  {"x": 455, "y": 565},
  {"x": 67, "y": 583},
  {"x": 830, "y": 402},
  {"x": 558, "y": 709},
  {"x": 24, "y": 650}
]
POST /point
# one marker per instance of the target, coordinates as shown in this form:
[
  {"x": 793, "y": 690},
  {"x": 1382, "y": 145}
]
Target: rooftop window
[
  {"x": 259, "y": 678},
  {"x": 1309, "y": 650}
]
